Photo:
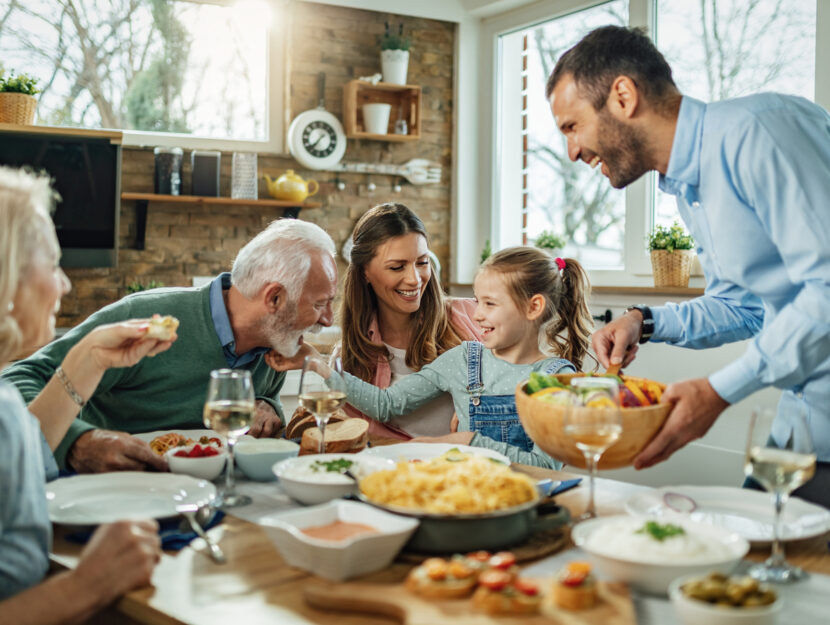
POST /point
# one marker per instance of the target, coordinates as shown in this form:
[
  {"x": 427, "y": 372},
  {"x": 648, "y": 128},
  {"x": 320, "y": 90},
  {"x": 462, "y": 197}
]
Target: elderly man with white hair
[{"x": 282, "y": 284}]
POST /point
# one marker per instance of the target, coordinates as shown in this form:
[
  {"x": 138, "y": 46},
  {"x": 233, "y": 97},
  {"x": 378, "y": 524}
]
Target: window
[
  {"x": 717, "y": 49},
  {"x": 720, "y": 49},
  {"x": 181, "y": 68}
]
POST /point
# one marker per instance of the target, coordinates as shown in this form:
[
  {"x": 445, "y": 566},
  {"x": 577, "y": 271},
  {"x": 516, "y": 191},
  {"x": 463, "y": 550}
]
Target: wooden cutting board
[{"x": 397, "y": 603}]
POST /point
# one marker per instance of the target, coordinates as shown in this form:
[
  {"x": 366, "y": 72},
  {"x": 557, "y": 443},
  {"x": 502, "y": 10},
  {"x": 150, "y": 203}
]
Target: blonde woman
[{"x": 120, "y": 556}]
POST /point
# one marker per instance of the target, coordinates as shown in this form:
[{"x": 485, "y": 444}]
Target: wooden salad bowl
[{"x": 543, "y": 422}]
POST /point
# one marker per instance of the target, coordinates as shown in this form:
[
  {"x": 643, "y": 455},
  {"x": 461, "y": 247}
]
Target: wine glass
[
  {"x": 594, "y": 422},
  {"x": 322, "y": 396},
  {"x": 229, "y": 408},
  {"x": 779, "y": 471}
]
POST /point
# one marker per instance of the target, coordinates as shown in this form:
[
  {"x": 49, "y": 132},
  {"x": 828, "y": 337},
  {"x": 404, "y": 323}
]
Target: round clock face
[
  {"x": 316, "y": 139},
  {"x": 319, "y": 139}
]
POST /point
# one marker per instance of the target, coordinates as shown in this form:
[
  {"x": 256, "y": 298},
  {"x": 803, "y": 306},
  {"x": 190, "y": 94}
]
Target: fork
[
  {"x": 190, "y": 512},
  {"x": 415, "y": 171}
]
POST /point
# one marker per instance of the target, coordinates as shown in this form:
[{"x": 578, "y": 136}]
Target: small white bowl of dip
[
  {"x": 621, "y": 552},
  {"x": 256, "y": 456},
  {"x": 339, "y": 540},
  {"x": 317, "y": 478}
]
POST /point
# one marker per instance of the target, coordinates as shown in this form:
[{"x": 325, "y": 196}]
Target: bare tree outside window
[
  {"x": 568, "y": 198},
  {"x": 147, "y": 65}
]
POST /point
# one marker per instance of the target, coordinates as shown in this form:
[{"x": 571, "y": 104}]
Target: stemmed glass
[
  {"x": 779, "y": 471},
  {"x": 594, "y": 422},
  {"x": 322, "y": 396},
  {"x": 229, "y": 409}
]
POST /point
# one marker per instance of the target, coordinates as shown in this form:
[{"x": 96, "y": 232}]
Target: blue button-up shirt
[
  {"x": 222, "y": 323},
  {"x": 752, "y": 181}
]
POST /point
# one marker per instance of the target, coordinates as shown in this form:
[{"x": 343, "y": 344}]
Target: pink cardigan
[{"x": 461, "y": 317}]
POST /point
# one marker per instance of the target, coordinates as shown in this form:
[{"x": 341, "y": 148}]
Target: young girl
[{"x": 526, "y": 302}]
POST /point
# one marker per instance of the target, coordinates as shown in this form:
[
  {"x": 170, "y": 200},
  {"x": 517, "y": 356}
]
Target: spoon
[{"x": 190, "y": 513}]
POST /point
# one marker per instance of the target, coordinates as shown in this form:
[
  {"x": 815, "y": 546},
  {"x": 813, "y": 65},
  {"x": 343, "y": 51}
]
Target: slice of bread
[
  {"x": 162, "y": 328},
  {"x": 302, "y": 420},
  {"x": 350, "y": 435}
]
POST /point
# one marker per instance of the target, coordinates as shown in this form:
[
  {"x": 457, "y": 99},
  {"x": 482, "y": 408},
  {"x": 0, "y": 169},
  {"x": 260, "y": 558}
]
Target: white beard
[{"x": 282, "y": 336}]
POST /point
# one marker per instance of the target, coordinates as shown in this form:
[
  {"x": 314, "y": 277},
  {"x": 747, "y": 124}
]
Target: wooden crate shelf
[{"x": 405, "y": 101}]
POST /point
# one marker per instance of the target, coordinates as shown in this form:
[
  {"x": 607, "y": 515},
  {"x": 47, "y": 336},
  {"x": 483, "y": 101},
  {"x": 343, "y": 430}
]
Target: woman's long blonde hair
[
  {"x": 432, "y": 330},
  {"x": 566, "y": 322},
  {"x": 25, "y": 199}
]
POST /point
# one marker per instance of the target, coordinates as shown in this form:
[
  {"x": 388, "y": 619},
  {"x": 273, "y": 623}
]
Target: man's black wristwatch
[{"x": 648, "y": 322}]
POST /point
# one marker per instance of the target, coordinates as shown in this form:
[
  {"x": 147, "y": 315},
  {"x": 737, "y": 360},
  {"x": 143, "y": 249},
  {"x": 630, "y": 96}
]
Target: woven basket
[
  {"x": 671, "y": 268},
  {"x": 17, "y": 108}
]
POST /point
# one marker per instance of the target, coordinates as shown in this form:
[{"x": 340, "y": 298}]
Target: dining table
[{"x": 257, "y": 586}]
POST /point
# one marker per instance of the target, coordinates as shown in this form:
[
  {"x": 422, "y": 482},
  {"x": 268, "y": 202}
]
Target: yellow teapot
[{"x": 291, "y": 187}]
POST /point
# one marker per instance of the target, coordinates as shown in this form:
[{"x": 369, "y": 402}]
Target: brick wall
[{"x": 186, "y": 240}]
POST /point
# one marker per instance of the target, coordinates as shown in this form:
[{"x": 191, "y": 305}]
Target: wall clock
[{"x": 316, "y": 138}]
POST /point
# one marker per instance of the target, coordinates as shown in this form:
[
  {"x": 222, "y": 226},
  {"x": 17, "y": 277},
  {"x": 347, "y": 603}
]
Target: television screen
[{"x": 86, "y": 174}]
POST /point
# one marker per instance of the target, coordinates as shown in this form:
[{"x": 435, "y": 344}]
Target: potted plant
[
  {"x": 17, "y": 99},
  {"x": 550, "y": 242},
  {"x": 672, "y": 253},
  {"x": 394, "y": 56}
]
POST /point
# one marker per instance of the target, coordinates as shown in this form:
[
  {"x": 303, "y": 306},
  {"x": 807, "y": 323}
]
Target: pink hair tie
[{"x": 560, "y": 262}]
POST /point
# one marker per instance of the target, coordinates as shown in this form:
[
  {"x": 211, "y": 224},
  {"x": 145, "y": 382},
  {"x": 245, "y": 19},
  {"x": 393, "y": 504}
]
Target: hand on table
[
  {"x": 118, "y": 558},
  {"x": 456, "y": 438},
  {"x": 266, "y": 423},
  {"x": 98, "y": 451},
  {"x": 617, "y": 342},
  {"x": 696, "y": 406}
]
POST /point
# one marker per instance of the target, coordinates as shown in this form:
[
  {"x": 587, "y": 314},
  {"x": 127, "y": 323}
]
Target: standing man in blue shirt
[{"x": 752, "y": 181}]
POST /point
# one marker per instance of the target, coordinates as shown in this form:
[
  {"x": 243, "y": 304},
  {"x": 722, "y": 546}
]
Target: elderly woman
[
  {"x": 120, "y": 556},
  {"x": 395, "y": 316}
]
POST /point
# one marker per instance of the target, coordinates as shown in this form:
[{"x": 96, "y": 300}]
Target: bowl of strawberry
[{"x": 205, "y": 461}]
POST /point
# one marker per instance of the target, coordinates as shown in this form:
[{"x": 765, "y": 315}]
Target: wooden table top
[{"x": 257, "y": 586}]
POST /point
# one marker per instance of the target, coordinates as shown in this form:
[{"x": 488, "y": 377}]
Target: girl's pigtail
[{"x": 569, "y": 332}]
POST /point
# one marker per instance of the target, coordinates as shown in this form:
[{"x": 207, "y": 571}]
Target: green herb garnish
[
  {"x": 332, "y": 466},
  {"x": 659, "y": 531}
]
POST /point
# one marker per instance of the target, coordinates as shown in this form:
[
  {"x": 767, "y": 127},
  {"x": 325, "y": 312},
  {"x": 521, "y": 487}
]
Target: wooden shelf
[
  {"x": 142, "y": 200},
  {"x": 648, "y": 290},
  {"x": 201, "y": 199},
  {"x": 114, "y": 136},
  {"x": 404, "y": 99}
]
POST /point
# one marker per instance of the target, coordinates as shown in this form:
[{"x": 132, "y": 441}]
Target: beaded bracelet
[{"x": 67, "y": 386}]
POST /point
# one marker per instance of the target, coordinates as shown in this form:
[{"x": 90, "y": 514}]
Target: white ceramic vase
[{"x": 394, "y": 64}]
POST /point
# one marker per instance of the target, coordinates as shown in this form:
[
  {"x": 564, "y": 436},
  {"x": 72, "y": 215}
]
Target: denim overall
[{"x": 495, "y": 416}]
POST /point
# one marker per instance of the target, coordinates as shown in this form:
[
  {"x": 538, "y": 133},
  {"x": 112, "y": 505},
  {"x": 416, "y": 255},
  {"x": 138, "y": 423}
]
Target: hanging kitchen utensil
[
  {"x": 316, "y": 138},
  {"x": 416, "y": 171}
]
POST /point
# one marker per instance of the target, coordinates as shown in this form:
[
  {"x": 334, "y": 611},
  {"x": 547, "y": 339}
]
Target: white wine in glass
[
  {"x": 229, "y": 409},
  {"x": 779, "y": 471},
  {"x": 594, "y": 423},
  {"x": 321, "y": 396}
]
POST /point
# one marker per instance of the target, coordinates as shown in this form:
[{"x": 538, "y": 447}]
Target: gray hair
[
  {"x": 25, "y": 228},
  {"x": 280, "y": 253}
]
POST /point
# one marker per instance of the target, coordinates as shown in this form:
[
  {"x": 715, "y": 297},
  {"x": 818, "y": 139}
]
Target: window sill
[{"x": 647, "y": 290}]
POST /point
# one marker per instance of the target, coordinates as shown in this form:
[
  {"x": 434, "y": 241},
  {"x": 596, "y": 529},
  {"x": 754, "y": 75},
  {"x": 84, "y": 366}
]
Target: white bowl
[
  {"x": 256, "y": 456},
  {"x": 339, "y": 560},
  {"x": 654, "y": 574},
  {"x": 207, "y": 467},
  {"x": 694, "y": 612},
  {"x": 299, "y": 481}
]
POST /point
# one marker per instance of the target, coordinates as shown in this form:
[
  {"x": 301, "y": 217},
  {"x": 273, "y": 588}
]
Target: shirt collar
[
  {"x": 684, "y": 161},
  {"x": 222, "y": 324}
]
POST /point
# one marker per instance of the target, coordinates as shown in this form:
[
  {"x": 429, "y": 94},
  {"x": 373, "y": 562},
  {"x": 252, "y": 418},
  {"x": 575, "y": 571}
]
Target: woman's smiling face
[{"x": 399, "y": 273}]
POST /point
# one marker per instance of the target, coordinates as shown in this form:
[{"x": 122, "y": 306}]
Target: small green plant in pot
[
  {"x": 394, "y": 55},
  {"x": 17, "y": 98},
  {"x": 672, "y": 253},
  {"x": 550, "y": 242}
]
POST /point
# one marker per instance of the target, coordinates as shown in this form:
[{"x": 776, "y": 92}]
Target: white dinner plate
[
  {"x": 748, "y": 513},
  {"x": 107, "y": 497},
  {"x": 404, "y": 452},
  {"x": 194, "y": 434}
]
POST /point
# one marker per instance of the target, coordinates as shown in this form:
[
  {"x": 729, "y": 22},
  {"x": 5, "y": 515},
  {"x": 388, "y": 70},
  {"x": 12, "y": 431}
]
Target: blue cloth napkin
[
  {"x": 172, "y": 538},
  {"x": 565, "y": 485}
]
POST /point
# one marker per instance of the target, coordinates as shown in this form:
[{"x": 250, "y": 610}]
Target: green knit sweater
[{"x": 163, "y": 392}]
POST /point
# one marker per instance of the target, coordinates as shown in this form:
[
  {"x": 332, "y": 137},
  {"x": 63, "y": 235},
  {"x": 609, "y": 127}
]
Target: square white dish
[{"x": 343, "y": 559}]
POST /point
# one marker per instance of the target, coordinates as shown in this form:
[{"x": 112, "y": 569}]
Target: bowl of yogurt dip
[
  {"x": 317, "y": 478},
  {"x": 648, "y": 554}
]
